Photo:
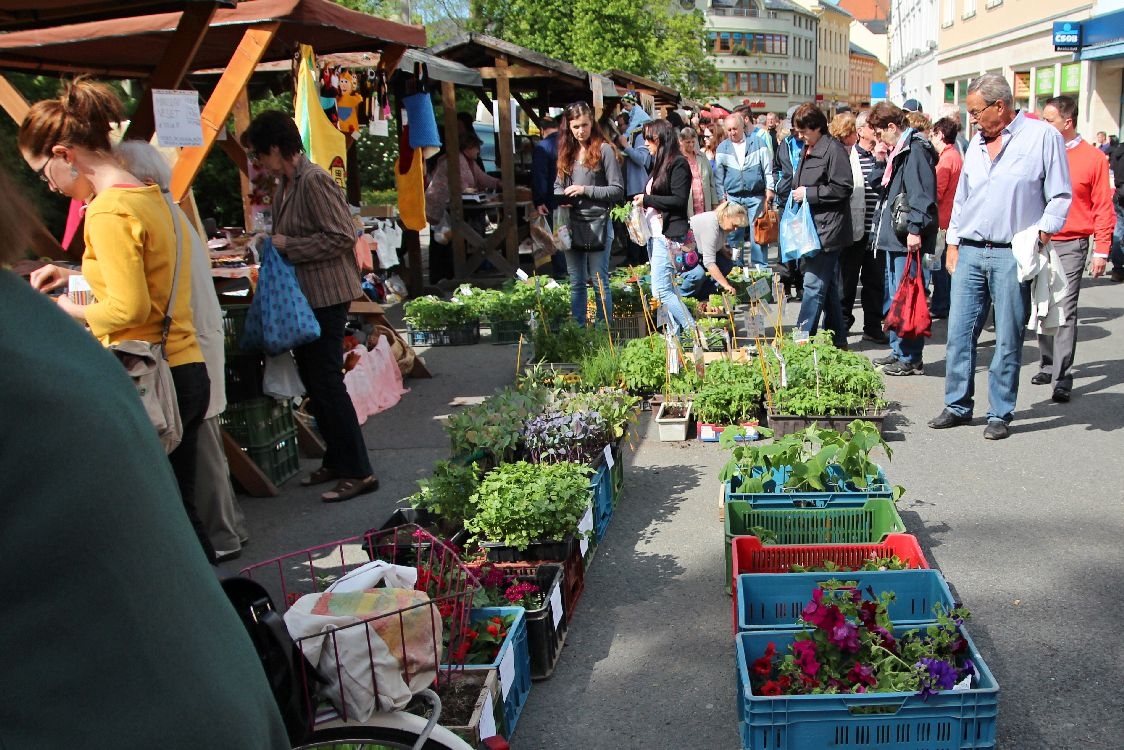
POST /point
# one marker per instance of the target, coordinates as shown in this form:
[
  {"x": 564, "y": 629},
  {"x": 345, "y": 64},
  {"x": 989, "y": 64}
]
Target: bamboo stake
[
  {"x": 605, "y": 313},
  {"x": 518, "y": 356}
]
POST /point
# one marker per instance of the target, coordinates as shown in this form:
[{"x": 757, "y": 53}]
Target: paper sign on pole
[{"x": 178, "y": 122}]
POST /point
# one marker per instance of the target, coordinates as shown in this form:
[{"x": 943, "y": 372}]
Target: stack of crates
[{"x": 262, "y": 426}]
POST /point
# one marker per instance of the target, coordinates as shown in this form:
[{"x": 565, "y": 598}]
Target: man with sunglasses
[{"x": 1015, "y": 177}]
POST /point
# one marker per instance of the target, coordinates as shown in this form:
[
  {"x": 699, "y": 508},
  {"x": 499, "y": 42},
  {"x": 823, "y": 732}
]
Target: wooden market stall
[
  {"x": 653, "y": 96},
  {"x": 159, "y": 42},
  {"x": 537, "y": 82}
]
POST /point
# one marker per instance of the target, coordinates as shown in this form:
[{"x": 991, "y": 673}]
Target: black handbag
[
  {"x": 899, "y": 215},
  {"x": 587, "y": 235}
]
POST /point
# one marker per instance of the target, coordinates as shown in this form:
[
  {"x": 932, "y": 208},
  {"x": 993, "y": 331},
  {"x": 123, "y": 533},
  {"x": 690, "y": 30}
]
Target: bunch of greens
[
  {"x": 520, "y": 503},
  {"x": 614, "y": 404},
  {"x": 578, "y": 437},
  {"x": 495, "y": 425},
  {"x": 475, "y": 298},
  {"x": 621, "y": 213},
  {"x": 730, "y": 393},
  {"x": 823, "y": 380},
  {"x": 568, "y": 344},
  {"x": 813, "y": 460},
  {"x": 447, "y": 492},
  {"x": 430, "y": 313}
]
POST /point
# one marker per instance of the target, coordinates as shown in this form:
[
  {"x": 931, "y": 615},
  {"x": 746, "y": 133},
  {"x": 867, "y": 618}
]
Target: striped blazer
[{"x": 310, "y": 211}]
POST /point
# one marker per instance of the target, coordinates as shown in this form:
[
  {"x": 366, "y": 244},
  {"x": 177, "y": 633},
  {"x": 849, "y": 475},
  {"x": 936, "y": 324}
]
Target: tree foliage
[{"x": 652, "y": 38}]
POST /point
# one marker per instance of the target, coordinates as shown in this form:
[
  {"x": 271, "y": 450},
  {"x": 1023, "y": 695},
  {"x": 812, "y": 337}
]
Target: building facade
[
  {"x": 913, "y": 54},
  {"x": 833, "y": 63},
  {"x": 865, "y": 71},
  {"x": 764, "y": 50},
  {"x": 995, "y": 36}
]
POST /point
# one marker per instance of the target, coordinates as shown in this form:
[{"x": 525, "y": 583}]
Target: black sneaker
[
  {"x": 881, "y": 362},
  {"x": 996, "y": 430},
  {"x": 877, "y": 337},
  {"x": 1060, "y": 395},
  {"x": 899, "y": 368},
  {"x": 1041, "y": 378},
  {"x": 947, "y": 419}
]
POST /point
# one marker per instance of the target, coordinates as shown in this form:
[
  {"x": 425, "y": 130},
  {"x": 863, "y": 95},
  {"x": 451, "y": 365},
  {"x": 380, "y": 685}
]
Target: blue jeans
[
  {"x": 697, "y": 282},
  {"x": 736, "y": 238},
  {"x": 822, "y": 284},
  {"x": 981, "y": 275},
  {"x": 906, "y": 350},
  {"x": 663, "y": 285},
  {"x": 1116, "y": 253},
  {"x": 583, "y": 267}
]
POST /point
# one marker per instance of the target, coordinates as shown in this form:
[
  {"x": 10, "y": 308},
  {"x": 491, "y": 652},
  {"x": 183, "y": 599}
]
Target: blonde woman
[{"x": 710, "y": 230}]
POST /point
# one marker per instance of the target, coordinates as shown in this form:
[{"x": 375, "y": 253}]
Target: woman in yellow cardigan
[{"x": 130, "y": 252}]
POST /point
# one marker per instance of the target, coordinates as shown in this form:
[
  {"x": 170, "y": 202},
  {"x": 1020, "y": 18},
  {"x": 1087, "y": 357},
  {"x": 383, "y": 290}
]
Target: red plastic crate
[{"x": 751, "y": 556}]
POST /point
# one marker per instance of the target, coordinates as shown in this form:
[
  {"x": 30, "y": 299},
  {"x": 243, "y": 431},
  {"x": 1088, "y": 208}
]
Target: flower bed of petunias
[{"x": 850, "y": 648}]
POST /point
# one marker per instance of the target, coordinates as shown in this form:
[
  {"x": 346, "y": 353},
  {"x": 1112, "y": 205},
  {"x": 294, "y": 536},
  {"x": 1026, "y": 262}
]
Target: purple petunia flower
[
  {"x": 940, "y": 676},
  {"x": 845, "y": 636}
]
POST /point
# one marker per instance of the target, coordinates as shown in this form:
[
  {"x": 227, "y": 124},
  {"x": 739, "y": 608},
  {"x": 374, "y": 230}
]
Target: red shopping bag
[{"x": 908, "y": 315}]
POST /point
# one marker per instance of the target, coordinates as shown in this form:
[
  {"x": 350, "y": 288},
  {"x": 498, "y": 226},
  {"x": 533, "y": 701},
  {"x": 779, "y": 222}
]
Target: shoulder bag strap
[{"x": 175, "y": 276}]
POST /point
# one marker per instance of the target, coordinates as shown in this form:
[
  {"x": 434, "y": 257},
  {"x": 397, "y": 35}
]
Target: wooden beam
[
  {"x": 241, "y": 122},
  {"x": 12, "y": 101},
  {"x": 516, "y": 71},
  {"x": 527, "y": 108},
  {"x": 252, "y": 479},
  {"x": 172, "y": 68},
  {"x": 453, "y": 173},
  {"x": 507, "y": 164},
  {"x": 230, "y": 86},
  {"x": 482, "y": 96}
]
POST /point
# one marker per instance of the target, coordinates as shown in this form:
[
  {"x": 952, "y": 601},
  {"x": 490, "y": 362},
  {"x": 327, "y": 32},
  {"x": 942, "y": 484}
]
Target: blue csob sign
[{"x": 1067, "y": 36}]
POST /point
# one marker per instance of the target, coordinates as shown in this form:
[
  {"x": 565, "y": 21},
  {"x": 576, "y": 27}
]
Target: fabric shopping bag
[
  {"x": 908, "y": 315},
  {"x": 279, "y": 318},
  {"x": 797, "y": 232}
]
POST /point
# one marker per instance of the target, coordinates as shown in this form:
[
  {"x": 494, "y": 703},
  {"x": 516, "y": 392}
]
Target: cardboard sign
[{"x": 178, "y": 121}]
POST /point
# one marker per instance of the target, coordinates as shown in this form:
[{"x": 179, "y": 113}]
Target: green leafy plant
[
  {"x": 568, "y": 344},
  {"x": 495, "y": 425},
  {"x": 812, "y": 460},
  {"x": 823, "y": 380},
  {"x": 616, "y": 406},
  {"x": 600, "y": 367},
  {"x": 519, "y": 503},
  {"x": 626, "y": 299},
  {"x": 643, "y": 364},
  {"x": 620, "y": 213},
  {"x": 475, "y": 298},
  {"x": 730, "y": 393},
  {"x": 430, "y": 313},
  {"x": 447, "y": 492}
]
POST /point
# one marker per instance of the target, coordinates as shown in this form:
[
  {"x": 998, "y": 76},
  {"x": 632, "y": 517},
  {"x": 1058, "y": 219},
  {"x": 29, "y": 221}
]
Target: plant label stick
[{"x": 672, "y": 355}]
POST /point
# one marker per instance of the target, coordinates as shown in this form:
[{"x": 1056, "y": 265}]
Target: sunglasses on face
[{"x": 41, "y": 173}]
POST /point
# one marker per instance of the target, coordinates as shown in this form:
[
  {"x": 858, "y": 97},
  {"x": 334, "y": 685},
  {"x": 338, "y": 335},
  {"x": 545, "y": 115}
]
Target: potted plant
[
  {"x": 435, "y": 322},
  {"x": 730, "y": 394},
  {"x": 492, "y": 431},
  {"x": 643, "y": 364},
  {"x": 600, "y": 367},
  {"x": 673, "y": 419},
  {"x": 520, "y": 504},
  {"x": 823, "y": 384},
  {"x": 442, "y": 502},
  {"x": 576, "y": 436}
]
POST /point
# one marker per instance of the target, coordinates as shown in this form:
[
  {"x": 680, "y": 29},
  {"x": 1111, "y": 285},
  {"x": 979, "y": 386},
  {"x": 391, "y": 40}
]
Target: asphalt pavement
[{"x": 1026, "y": 530}]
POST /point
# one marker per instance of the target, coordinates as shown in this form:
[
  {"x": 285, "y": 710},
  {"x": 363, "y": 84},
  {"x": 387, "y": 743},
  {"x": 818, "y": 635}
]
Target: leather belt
[{"x": 984, "y": 243}]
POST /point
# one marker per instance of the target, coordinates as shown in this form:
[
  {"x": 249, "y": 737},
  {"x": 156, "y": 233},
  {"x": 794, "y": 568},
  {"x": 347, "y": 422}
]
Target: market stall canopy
[
  {"x": 440, "y": 69},
  {"x": 132, "y": 47},
  {"x": 663, "y": 96},
  {"x": 16, "y": 16}
]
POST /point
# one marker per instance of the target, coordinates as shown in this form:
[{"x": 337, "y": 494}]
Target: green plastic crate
[
  {"x": 258, "y": 422},
  {"x": 863, "y": 525},
  {"x": 509, "y": 331},
  {"x": 280, "y": 460},
  {"x": 233, "y": 321}
]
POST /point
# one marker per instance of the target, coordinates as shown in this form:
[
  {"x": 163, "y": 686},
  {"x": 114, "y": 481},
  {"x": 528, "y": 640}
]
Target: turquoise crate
[
  {"x": 513, "y": 663},
  {"x": 767, "y": 601},
  {"x": 949, "y": 720},
  {"x": 601, "y": 485},
  {"x": 852, "y": 496},
  {"x": 863, "y": 525}
]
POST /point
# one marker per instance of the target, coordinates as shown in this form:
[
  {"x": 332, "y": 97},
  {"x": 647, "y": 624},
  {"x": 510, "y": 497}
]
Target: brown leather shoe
[{"x": 346, "y": 489}]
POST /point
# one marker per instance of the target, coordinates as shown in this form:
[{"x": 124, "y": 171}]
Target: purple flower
[
  {"x": 805, "y": 653},
  {"x": 845, "y": 636},
  {"x": 862, "y": 675},
  {"x": 940, "y": 675}
]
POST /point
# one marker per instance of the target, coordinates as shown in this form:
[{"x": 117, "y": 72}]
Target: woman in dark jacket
[
  {"x": 910, "y": 168},
  {"x": 823, "y": 179},
  {"x": 668, "y": 193}
]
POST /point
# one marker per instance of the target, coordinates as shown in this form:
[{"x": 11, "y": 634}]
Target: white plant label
[
  {"x": 585, "y": 526},
  {"x": 522, "y": 275},
  {"x": 488, "y": 717},
  {"x": 556, "y": 605},
  {"x": 507, "y": 668},
  {"x": 609, "y": 457}
]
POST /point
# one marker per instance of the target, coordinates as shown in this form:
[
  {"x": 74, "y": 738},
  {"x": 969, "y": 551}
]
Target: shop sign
[
  {"x": 1067, "y": 36},
  {"x": 1044, "y": 81},
  {"x": 1071, "y": 78}
]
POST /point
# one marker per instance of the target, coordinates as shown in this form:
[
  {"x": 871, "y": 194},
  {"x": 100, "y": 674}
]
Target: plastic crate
[
  {"x": 258, "y": 422},
  {"x": 427, "y": 520},
  {"x": 279, "y": 460},
  {"x": 616, "y": 473},
  {"x": 785, "y": 424},
  {"x": 628, "y": 328},
  {"x": 489, "y": 699},
  {"x": 877, "y": 487},
  {"x": 233, "y": 322},
  {"x": 469, "y": 334},
  {"x": 708, "y": 432},
  {"x": 862, "y": 525},
  {"x": 567, "y": 552},
  {"x": 244, "y": 374},
  {"x": 749, "y": 555},
  {"x": 602, "y": 487},
  {"x": 509, "y": 331},
  {"x": 949, "y": 720},
  {"x": 767, "y": 601},
  {"x": 513, "y": 662}
]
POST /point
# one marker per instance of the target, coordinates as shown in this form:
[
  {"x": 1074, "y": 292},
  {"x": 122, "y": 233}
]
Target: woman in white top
[{"x": 710, "y": 230}]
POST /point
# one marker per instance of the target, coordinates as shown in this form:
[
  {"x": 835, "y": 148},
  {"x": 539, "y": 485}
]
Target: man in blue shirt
[
  {"x": 744, "y": 173},
  {"x": 544, "y": 167},
  {"x": 1015, "y": 177}
]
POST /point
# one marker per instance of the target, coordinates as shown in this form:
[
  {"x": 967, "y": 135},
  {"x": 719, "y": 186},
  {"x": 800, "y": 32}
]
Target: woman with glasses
[
  {"x": 704, "y": 191},
  {"x": 667, "y": 195},
  {"x": 130, "y": 253},
  {"x": 589, "y": 182}
]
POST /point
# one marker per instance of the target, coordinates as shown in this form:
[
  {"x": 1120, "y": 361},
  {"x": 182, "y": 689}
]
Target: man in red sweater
[{"x": 1091, "y": 213}]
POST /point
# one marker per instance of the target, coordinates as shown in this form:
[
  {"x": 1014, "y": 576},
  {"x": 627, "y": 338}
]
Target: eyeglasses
[
  {"x": 41, "y": 173},
  {"x": 975, "y": 113}
]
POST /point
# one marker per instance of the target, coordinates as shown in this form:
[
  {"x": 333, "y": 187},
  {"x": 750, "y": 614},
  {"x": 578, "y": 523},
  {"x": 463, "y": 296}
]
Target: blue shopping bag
[
  {"x": 279, "y": 318},
  {"x": 798, "y": 236}
]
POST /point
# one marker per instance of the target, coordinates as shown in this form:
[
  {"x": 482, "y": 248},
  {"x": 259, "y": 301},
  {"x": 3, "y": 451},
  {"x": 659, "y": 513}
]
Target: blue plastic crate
[
  {"x": 877, "y": 486},
  {"x": 602, "y": 487},
  {"x": 949, "y": 720},
  {"x": 767, "y": 601},
  {"x": 513, "y": 663}
]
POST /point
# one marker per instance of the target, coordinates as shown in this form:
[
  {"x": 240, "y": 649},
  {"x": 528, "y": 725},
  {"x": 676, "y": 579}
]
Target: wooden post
[
  {"x": 241, "y": 123},
  {"x": 218, "y": 108},
  {"x": 507, "y": 158},
  {"x": 169, "y": 72},
  {"x": 453, "y": 168},
  {"x": 12, "y": 101}
]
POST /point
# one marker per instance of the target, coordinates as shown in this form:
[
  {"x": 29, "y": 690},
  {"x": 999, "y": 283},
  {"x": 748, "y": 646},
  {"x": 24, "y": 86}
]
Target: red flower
[
  {"x": 771, "y": 688},
  {"x": 763, "y": 667},
  {"x": 493, "y": 629}
]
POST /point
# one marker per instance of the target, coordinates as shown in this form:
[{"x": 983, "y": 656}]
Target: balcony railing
[{"x": 741, "y": 12}]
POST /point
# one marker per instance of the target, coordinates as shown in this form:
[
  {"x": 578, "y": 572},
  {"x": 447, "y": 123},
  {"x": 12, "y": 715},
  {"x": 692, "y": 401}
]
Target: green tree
[{"x": 652, "y": 39}]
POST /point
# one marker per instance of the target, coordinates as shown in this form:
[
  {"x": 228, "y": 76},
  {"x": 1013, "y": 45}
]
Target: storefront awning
[{"x": 1103, "y": 37}]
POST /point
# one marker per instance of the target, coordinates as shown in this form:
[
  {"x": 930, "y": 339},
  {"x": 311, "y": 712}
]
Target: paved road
[{"x": 1028, "y": 532}]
